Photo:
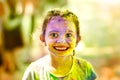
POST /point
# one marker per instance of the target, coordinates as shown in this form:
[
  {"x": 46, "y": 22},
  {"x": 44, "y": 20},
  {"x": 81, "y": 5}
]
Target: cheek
[
  {"x": 72, "y": 42},
  {"x": 50, "y": 42}
]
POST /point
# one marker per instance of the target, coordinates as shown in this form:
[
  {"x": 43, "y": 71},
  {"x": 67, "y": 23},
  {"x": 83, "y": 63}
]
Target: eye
[
  {"x": 53, "y": 35},
  {"x": 69, "y": 35}
]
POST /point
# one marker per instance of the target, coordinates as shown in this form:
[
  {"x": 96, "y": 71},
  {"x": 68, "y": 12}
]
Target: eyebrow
[
  {"x": 70, "y": 31},
  {"x": 53, "y": 31}
]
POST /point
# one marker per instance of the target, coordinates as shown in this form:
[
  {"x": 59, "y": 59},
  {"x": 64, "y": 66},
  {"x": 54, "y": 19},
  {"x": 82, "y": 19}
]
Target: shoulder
[
  {"x": 87, "y": 68},
  {"x": 40, "y": 63},
  {"x": 84, "y": 63},
  {"x": 35, "y": 66}
]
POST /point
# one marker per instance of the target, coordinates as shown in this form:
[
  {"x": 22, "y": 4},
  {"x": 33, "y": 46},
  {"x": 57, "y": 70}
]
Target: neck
[
  {"x": 60, "y": 61},
  {"x": 60, "y": 65}
]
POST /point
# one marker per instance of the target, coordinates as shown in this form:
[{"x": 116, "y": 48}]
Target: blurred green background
[{"x": 20, "y": 23}]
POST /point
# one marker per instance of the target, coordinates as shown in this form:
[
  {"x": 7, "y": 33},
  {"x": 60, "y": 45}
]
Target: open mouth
[{"x": 61, "y": 48}]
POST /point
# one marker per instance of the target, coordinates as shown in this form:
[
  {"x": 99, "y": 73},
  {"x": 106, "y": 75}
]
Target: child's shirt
[{"x": 80, "y": 70}]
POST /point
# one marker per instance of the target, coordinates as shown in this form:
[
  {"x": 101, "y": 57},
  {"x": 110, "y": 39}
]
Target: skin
[{"x": 60, "y": 39}]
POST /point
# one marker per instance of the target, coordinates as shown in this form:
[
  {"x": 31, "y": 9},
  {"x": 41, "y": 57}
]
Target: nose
[{"x": 61, "y": 40}]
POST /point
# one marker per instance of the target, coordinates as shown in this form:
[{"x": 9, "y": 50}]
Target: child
[{"x": 60, "y": 35}]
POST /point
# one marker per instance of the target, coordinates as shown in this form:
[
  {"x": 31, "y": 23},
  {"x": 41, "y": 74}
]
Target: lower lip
[{"x": 60, "y": 50}]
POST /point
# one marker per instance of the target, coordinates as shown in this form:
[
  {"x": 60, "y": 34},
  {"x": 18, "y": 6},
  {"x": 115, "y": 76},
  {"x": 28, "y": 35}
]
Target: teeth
[{"x": 61, "y": 48}]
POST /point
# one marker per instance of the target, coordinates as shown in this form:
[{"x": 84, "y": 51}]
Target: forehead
[{"x": 61, "y": 23}]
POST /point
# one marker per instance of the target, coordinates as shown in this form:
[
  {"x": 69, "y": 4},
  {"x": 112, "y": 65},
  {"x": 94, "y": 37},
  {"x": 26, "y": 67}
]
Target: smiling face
[{"x": 60, "y": 36}]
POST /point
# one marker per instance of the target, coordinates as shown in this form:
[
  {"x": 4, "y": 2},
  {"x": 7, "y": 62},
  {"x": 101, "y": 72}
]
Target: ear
[
  {"x": 42, "y": 38},
  {"x": 78, "y": 39}
]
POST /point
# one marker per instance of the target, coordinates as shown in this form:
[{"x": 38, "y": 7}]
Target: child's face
[{"x": 60, "y": 36}]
